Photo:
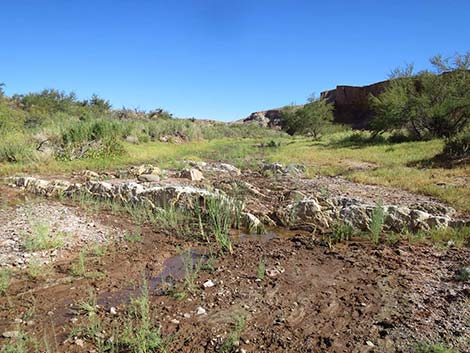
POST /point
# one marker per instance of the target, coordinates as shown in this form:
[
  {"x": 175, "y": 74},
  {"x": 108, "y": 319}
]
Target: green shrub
[
  {"x": 311, "y": 119},
  {"x": 430, "y": 104},
  {"x": 459, "y": 145},
  {"x": 15, "y": 148}
]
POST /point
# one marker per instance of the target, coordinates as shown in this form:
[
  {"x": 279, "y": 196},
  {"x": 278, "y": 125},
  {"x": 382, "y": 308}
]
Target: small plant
[
  {"x": 341, "y": 231},
  {"x": 222, "y": 215},
  {"x": 434, "y": 348},
  {"x": 5, "y": 277},
  {"x": 99, "y": 250},
  {"x": 261, "y": 271},
  {"x": 38, "y": 269},
  {"x": 233, "y": 339},
  {"x": 20, "y": 344},
  {"x": 191, "y": 270},
  {"x": 140, "y": 335},
  {"x": 133, "y": 237},
  {"x": 78, "y": 268},
  {"x": 376, "y": 223},
  {"x": 89, "y": 306},
  {"x": 41, "y": 238},
  {"x": 464, "y": 273}
]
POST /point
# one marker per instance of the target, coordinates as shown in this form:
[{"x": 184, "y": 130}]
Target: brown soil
[{"x": 356, "y": 297}]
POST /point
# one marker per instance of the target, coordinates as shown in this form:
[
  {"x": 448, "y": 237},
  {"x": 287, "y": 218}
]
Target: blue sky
[{"x": 219, "y": 59}]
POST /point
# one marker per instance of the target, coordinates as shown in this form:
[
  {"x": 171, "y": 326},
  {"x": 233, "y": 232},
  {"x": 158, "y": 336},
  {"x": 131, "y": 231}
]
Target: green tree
[
  {"x": 311, "y": 119},
  {"x": 430, "y": 104}
]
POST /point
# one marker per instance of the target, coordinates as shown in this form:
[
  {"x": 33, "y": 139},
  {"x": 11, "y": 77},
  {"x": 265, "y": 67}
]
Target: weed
[
  {"x": 18, "y": 344},
  {"x": 261, "y": 270},
  {"x": 443, "y": 236},
  {"x": 38, "y": 269},
  {"x": 376, "y": 223},
  {"x": 221, "y": 216},
  {"x": 464, "y": 273},
  {"x": 434, "y": 348},
  {"x": 78, "y": 268},
  {"x": 233, "y": 339},
  {"x": 89, "y": 306},
  {"x": 99, "y": 250},
  {"x": 393, "y": 238},
  {"x": 341, "y": 231},
  {"x": 191, "y": 270},
  {"x": 140, "y": 335},
  {"x": 41, "y": 238},
  {"x": 208, "y": 264},
  {"x": 5, "y": 277},
  {"x": 134, "y": 237}
]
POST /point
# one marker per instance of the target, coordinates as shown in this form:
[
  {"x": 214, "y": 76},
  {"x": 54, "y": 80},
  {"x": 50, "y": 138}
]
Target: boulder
[
  {"x": 192, "y": 174},
  {"x": 144, "y": 169},
  {"x": 148, "y": 178}
]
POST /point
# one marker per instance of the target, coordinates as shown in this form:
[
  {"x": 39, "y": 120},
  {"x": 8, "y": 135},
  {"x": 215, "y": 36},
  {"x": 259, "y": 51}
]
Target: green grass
[
  {"x": 134, "y": 236},
  {"x": 5, "y": 278},
  {"x": 37, "y": 269},
  {"x": 41, "y": 238},
  {"x": 340, "y": 231},
  {"x": 434, "y": 348},
  {"x": 261, "y": 270},
  {"x": 140, "y": 334},
  {"x": 191, "y": 270},
  {"x": 392, "y": 164},
  {"x": 78, "y": 268},
  {"x": 441, "y": 236},
  {"x": 233, "y": 340},
  {"x": 376, "y": 223},
  {"x": 395, "y": 165}
]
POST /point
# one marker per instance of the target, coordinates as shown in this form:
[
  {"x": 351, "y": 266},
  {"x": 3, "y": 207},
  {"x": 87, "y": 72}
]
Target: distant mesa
[{"x": 351, "y": 107}]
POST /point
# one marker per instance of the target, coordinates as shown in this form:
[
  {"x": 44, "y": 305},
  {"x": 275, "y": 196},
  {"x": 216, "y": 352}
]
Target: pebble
[
  {"x": 79, "y": 342},
  {"x": 186, "y": 315},
  {"x": 370, "y": 344},
  {"x": 200, "y": 311},
  {"x": 113, "y": 311},
  {"x": 11, "y": 334},
  {"x": 208, "y": 284},
  {"x": 174, "y": 321}
]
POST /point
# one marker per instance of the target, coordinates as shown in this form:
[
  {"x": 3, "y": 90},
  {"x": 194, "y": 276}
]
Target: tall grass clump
[
  {"x": 5, "y": 277},
  {"x": 376, "y": 223},
  {"x": 222, "y": 214},
  {"x": 41, "y": 238},
  {"x": 15, "y": 147},
  {"x": 140, "y": 335}
]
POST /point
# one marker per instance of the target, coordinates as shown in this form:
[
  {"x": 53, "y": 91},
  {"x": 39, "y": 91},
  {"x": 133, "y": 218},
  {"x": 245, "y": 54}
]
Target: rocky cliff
[
  {"x": 351, "y": 106},
  {"x": 351, "y": 103}
]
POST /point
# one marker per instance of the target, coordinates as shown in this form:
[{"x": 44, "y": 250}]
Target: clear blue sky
[{"x": 219, "y": 59}]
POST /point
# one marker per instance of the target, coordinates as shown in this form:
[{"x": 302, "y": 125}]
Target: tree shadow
[{"x": 440, "y": 161}]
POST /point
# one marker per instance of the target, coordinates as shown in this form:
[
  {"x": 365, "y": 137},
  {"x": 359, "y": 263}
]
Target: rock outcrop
[
  {"x": 267, "y": 118},
  {"x": 351, "y": 103},
  {"x": 351, "y": 107}
]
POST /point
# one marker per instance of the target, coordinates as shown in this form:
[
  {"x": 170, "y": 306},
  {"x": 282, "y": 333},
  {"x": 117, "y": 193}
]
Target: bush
[
  {"x": 430, "y": 104},
  {"x": 459, "y": 145},
  {"x": 15, "y": 148},
  {"x": 311, "y": 119}
]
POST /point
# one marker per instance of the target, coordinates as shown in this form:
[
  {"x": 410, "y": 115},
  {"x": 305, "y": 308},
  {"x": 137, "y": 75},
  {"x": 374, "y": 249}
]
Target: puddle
[{"x": 174, "y": 269}]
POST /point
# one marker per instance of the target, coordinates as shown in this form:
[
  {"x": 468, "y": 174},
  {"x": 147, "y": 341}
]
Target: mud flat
[{"x": 287, "y": 285}]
